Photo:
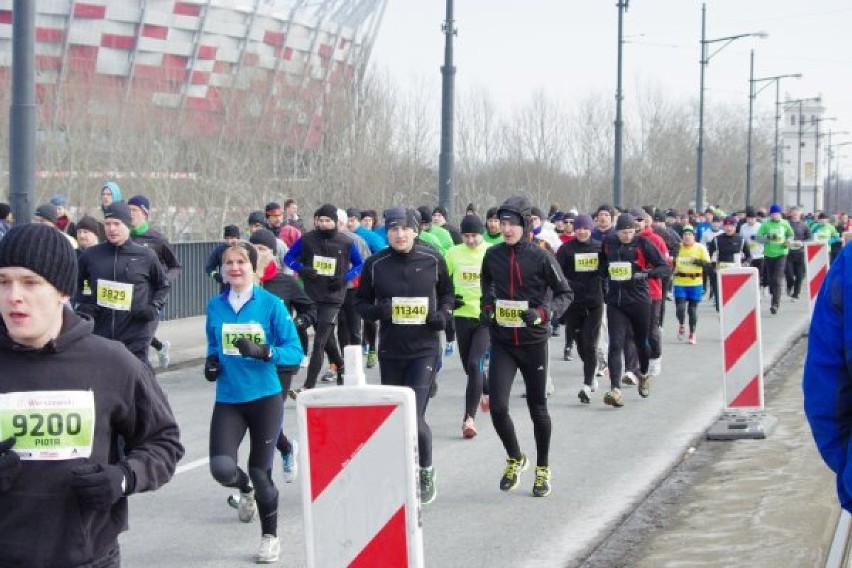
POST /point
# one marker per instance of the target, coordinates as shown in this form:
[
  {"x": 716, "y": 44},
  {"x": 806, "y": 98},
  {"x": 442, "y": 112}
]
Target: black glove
[
  {"x": 436, "y": 321},
  {"x": 212, "y": 366},
  {"x": 532, "y": 317},
  {"x": 459, "y": 302},
  {"x": 249, "y": 348},
  {"x": 383, "y": 311},
  {"x": 89, "y": 309},
  {"x": 486, "y": 316},
  {"x": 308, "y": 273},
  {"x": 640, "y": 276},
  {"x": 146, "y": 313},
  {"x": 10, "y": 464},
  {"x": 97, "y": 486},
  {"x": 302, "y": 322},
  {"x": 336, "y": 284}
]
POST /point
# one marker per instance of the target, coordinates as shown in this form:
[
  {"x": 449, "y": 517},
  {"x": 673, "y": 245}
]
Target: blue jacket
[
  {"x": 373, "y": 240},
  {"x": 827, "y": 382},
  {"x": 243, "y": 379}
]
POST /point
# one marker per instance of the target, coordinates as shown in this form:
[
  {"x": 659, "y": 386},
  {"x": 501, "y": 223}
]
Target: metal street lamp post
[
  {"x": 619, "y": 123},
  {"x": 448, "y": 74},
  {"x": 816, "y": 157},
  {"x": 705, "y": 59}
]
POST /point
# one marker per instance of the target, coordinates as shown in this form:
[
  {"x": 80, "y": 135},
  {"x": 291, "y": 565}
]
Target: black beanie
[
  {"x": 48, "y": 212},
  {"x": 625, "y": 221},
  {"x": 327, "y": 210},
  {"x": 401, "y": 217},
  {"x": 118, "y": 210},
  {"x": 230, "y": 231},
  {"x": 88, "y": 223},
  {"x": 425, "y": 214},
  {"x": 264, "y": 237},
  {"x": 5, "y": 209},
  {"x": 44, "y": 250},
  {"x": 441, "y": 210},
  {"x": 492, "y": 213},
  {"x": 471, "y": 224}
]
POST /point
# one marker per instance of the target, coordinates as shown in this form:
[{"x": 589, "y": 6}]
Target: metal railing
[{"x": 193, "y": 288}]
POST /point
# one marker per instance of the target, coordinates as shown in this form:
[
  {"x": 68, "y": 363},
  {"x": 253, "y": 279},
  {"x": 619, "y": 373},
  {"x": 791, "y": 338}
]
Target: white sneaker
[
  {"x": 549, "y": 388},
  {"x": 164, "y": 355},
  {"x": 629, "y": 379},
  {"x": 248, "y": 507},
  {"x": 655, "y": 367},
  {"x": 270, "y": 549},
  {"x": 305, "y": 361},
  {"x": 289, "y": 467},
  {"x": 595, "y": 385}
]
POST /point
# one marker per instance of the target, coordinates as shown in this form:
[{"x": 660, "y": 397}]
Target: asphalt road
[{"x": 604, "y": 461}]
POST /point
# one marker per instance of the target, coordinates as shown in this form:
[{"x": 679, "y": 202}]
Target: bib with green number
[
  {"x": 233, "y": 331},
  {"x": 409, "y": 311},
  {"x": 620, "y": 271},
  {"x": 49, "y": 425},
  {"x": 325, "y": 265},
  {"x": 508, "y": 312},
  {"x": 586, "y": 262},
  {"x": 686, "y": 264},
  {"x": 115, "y": 295},
  {"x": 470, "y": 276},
  {"x": 726, "y": 265}
]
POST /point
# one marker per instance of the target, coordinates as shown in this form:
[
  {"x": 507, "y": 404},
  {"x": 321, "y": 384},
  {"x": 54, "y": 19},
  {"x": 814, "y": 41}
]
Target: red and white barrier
[
  {"x": 742, "y": 354},
  {"x": 816, "y": 260},
  {"x": 359, "y": 476}
]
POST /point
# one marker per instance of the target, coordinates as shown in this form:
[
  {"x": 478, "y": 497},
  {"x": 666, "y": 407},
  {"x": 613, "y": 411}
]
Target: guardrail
[{"x": 193, "y": 288}]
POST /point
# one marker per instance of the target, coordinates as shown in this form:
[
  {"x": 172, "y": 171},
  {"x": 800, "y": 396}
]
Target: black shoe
[
  {"x": 566, "y": 354},
  {"x": 340, "y": 376},
  {"x": 512, "y": 474},
  {"x": 554, "y": 332},
  {"x": 773, "y": 310}
]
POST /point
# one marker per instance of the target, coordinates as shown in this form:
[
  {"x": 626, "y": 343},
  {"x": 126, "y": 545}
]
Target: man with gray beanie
[
  {"x": 122, "y": 285},
  {"x": 64, "y": 489}
]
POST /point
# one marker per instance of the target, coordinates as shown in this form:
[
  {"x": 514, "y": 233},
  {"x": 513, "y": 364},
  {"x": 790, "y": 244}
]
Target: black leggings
[
  {"x": 795, "y": 271},
  {"x": 417, "y": 374},
  {"x": 473, "y": 341},
  {"x": 324, "y": 339},
  {"x": 285, "y": 377},
  {"x": 532, "y": 361},
  {"x": 684, "y": 306},
  {"x": 349, "y": 323},
  {"x": 583, "y": 325},
  {"x": 371, "y": 328},
  {"x": 262, "y": 418},
  {"x": 774, "y": 276},
  {"x": 636, "y": 317}
]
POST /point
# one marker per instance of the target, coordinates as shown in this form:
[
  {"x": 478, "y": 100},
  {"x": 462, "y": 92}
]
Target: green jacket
[
  {"x": 777, "y": 235},
  {"x": 465, "y": 267}
]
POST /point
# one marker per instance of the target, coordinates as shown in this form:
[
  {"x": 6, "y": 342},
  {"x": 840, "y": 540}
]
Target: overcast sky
[{"x": 568, "y": 48}]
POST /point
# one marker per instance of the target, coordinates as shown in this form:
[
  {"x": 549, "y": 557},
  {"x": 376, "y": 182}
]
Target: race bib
[
  {"x": 754, "y": 246},
  {"x": 87, "y": 290},
  {"x": 508, "y": 312},
  {"x": 325, "y": 265},
  {"x": 469, "y": 276},
  {"x": 409, "y": 311},
  {"x": 724, "y": 265},
  {"x": 233, "y": 331},
  {"x": 685, "y": 264},
  {"x": 776, "y": 235},
  {"x": 620, "y": 271},
  {"x": 821, "y": 237},
  {"x": 115, "y": 295},
  {"x": 49, "y": 425},
  {"x": 586, "y": 262}
]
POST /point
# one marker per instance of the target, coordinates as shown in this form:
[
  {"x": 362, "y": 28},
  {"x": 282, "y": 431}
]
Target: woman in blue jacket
[{"x": 249, "y": 333}]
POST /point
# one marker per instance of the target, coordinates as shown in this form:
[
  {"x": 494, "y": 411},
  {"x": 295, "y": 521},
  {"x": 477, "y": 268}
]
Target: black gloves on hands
[
  {"x": 146, "y": 313},
  {"x": 302, "y": 322},
  {"x": 486, "y": 316},
  {"x": 212, "y": 367},
  {"x": 459, "y": 302},
  {"x": 532, "y": 317},
  {"x": 383, "y": 311},
  {"x": 249, "y": 348},
  {"x": 97, "y": 486},
  {"x": 308, "y": 272},
  {"x": 436, "y": 321},
  {"x": 10, "y": 464},
  {"x": 640, "y": 276}
]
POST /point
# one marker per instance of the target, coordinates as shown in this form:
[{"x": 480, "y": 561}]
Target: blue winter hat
[
  {"x": 583, "y": 222},
  {"x": 58, "y": 200},
  {"x": 775, "y": 209},
  {"x": 113, "y": 187},
  {"x": 141, "y": 202}
]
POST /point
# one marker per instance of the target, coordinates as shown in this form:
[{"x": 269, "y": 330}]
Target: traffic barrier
[
  {"x": 742, "y": 357},
  {"x": 360, "y": 475},
  {"x": 816, "y": 260}
]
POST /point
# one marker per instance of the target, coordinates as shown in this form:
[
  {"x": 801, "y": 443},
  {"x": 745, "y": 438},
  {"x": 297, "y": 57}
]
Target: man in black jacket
[
  {"x": 518, "y": 276},
  {"x": 407, "y": 289},
  {"x": 728, "y": 250},
  {"x": 122, "y": 285},
  {"x": 87, "y": 422}
]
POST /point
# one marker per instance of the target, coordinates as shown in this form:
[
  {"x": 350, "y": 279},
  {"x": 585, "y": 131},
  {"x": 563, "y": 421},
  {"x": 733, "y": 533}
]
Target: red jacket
[{"x": 655, "y": 285}]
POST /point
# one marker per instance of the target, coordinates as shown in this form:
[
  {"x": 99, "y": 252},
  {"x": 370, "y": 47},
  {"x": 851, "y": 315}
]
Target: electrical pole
[{"x": 448, "y": 74}]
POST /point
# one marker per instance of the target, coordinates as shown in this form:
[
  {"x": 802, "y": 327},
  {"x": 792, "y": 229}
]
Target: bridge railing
[{"x": 193, "y": 288}]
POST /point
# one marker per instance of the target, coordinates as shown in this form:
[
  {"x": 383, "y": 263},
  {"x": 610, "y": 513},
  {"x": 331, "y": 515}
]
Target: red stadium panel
[
  {"x": 118, "y": 41},
  {"x": 94, "y": 11},
  {"x": 155, "y": 32},
  {"x": 207, "y": 52},
  {"x": 50, "y": 35},
  {"x": 274, "y": 38},
  {"x": 5, "y": 16},
  {"x": 187, "y": 9}
]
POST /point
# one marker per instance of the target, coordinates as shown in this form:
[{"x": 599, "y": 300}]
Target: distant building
[{"x": 811, "y": 128}]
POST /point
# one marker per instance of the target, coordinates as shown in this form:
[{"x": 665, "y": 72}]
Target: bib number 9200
[{"x": 40, "y": 425}]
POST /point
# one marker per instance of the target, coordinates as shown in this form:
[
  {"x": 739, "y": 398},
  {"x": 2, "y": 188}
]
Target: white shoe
[
  {"x": 289, "y": 468},
  {"x": 629, "y": 379},
  {"x": 549, "y": 388},
  {"x": 595, "y": 385},
  {"x": 248, "y": 507},
  {"x": 655, "y": 367},
  {"x": 270, "y": 549},
  {"x": 164, "y": 355},
  {"x": 305, "y": 361}
]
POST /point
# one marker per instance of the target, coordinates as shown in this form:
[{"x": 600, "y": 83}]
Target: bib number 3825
[{"x": 49, "y": 425}]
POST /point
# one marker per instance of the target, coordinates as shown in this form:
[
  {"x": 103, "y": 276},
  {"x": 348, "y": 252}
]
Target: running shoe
[
  {"x": 603, "y": 368},
  {"x": 629, "y": 379},
  {"x": 595, "y": 385},
  {"x": 305, "y": 361},
  {"x": 583, "y": 395},
  {"x": 614, "y": 398},
  {"x": 340, "y": 375},
  {"x": 692, "y": 338},
  {"x": 450, "y": 348},
  {"x": 655, "y": 367},
  {"x": 372, "y": 359},
  {"x": 330, "y": 374},
  {"x": 164, "y": 355},
  {"x": 485, "y": 403},
  {"x": 644, "y": 388},
  {"x": 773, "y": 310},
  {"x": 566, "y": 354},
  {"x": 245, "y": 505},
  {"x": 541, "y": 485},
  {"x": 681, "y": 332},
  {"x": 289, "y": 467},
  {"x": 512, "y": 475},
  {"x": 293, "y": 393},
  {"x": 428, "y": 491},
  {"x": 270, "y": 550},
  {"x": 549, "y": 387},
  {"x": 554, "y": 331},
  {"x": 468, "y": 428}
]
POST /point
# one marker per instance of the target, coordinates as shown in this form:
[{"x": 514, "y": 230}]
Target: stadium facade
[{"x": 195, "y": 62}]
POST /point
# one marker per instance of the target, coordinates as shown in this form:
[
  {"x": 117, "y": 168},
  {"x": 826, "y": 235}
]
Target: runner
[
  {"x": 249, "y": 333},
  {"x": 795, "y": 269},
  {"x": 727, "y": 250},
  {"x": 691, "y": 260},
  {"x": 776, "y": 234},
  {"x": 492, "y": 234},
  {"x": 517, "y": 277}
]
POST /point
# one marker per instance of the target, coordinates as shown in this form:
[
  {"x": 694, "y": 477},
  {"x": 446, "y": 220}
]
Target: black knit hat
[
  {"x": 327, "y": 210},
  {"x": 48, "y": 212},
  {"x": 625, "y": 221},
  {"x": 264, "y": 237},
  {"x": 45, "y": 251},
  {"x": 88, "y": 223},
  {"x": 471, "y": 224},
  {"x": 401, "y": 217},
  {"x": 118, "y": 210},
  {"x": 230, "y": 231}
]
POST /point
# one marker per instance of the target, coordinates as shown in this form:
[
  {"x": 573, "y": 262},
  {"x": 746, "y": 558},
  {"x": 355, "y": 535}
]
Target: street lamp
[
  {"x": 705, "y": 59},
  {"x": 448, "y": 75},
  {"x": 753, "y": 92},
  {"x": 619, "y": 124}
]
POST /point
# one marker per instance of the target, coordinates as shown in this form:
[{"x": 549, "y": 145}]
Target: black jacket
[
  {"x": 41, "y": 524},
  {"x": 585, "y": 284},
  {"x": 158, "y": 243},
  {"x": 643, "y": 256},
  {"x": 523, "y": 272},
  {"x": 333, "y": 244},
  {"x": 728, "y": 246},
  {"x": 129, "y": 263},
  {"x": 389, "y": 274}
]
